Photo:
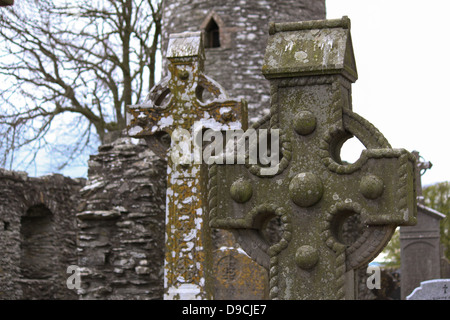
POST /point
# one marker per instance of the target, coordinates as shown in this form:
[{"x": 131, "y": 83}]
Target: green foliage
[
  {"x": 392, "y": 251},
  {"x": 437, "y": 197}
]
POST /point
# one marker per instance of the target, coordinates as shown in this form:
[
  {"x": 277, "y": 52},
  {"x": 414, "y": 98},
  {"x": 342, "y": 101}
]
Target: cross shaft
[{"x": 173, "y": 106}]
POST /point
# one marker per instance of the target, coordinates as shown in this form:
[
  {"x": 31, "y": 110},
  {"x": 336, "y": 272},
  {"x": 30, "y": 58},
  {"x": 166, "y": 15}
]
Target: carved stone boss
[
  {"x": 177, "y": 103},
  {"x": 319, "y": 199}
]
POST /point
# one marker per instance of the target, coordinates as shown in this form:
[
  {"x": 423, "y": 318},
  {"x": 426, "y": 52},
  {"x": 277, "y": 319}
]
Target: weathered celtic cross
[
  {"x": 334, "y": 216},
  {"x": 172, "y": 108}
]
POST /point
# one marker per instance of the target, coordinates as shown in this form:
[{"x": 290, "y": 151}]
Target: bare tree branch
[{"x": 83, "y": 58}]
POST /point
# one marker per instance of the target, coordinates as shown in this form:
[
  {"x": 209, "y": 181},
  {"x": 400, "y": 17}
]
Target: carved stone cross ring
[{"x": 333, "y": 216}]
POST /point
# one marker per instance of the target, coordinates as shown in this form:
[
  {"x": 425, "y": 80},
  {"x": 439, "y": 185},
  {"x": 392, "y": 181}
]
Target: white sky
[{"x": 402, "y": 52}]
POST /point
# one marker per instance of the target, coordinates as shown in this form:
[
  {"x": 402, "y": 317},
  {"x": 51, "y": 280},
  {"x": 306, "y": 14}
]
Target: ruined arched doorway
[{"x": 37, "y": 251}]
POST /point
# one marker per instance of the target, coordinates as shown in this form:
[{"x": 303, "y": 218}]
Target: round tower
[{"x": 236, "y": 33}]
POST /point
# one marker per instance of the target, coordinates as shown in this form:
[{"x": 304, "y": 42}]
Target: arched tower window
[{"x": 212, "y": 34}]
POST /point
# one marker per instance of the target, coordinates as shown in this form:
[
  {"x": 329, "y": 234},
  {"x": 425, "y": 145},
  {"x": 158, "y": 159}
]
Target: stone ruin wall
[
  {"x": 37, "y": 235},
  {"x": 111, "y": 226},
  {"x": 121, "y": 223}
]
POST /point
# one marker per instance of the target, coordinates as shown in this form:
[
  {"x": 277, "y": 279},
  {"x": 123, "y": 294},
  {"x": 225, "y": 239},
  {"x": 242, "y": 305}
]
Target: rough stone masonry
[
  {"x": 37, "y": 235},
  {"x": 120, "y": 222}
]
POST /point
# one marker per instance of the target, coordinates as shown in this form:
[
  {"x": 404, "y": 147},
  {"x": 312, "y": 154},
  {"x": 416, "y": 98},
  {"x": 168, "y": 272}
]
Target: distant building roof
[{"x": 430, "y": 211}]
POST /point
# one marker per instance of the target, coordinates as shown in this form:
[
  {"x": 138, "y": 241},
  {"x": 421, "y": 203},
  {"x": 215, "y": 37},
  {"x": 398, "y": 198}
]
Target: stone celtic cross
[
  {"x": 177, "y": 103},
  {"x": 334, "y": 216}
]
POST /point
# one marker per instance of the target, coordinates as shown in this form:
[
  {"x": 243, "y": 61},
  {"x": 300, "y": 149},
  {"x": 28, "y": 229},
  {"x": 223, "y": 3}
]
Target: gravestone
[
  {"x": 236, "y": 275},
  {"x": 437, "y": 289},
  {"x": 317, "y": 197},
  {"x": 177, "y": 104},
  {"x": 420, "y": 244}
]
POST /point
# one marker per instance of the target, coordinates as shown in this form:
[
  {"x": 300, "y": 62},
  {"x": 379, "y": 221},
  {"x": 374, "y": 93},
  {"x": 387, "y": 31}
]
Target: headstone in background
[
  {"x": 436, "y": 289},
  {"x": 420, "y": 244},
  {"x": 236, "y": 275}
]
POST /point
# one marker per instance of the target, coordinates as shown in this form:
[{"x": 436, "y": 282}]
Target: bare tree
[{"x": 69, "y": 68}]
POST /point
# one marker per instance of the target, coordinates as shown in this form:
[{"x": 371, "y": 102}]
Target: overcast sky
[{"x": 402, "y": 51}]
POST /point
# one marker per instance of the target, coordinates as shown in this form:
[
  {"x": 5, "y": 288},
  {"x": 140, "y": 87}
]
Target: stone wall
[
  {"x": 243, "y": 34},
  {"x": 37, "y": 235},
  {"x": 121, "y": 223}
]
